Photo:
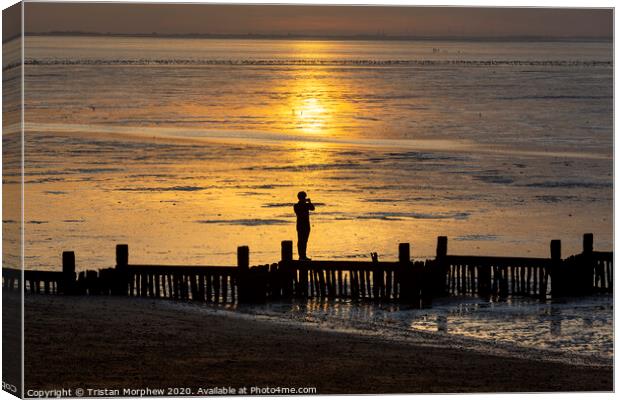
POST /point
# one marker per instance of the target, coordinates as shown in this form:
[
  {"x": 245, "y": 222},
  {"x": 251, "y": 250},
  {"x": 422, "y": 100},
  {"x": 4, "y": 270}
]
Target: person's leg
[
  {"x": 306, "y": 243},
  {"x": 301, "y": 249},
  {"x": 302, "y": 242}
]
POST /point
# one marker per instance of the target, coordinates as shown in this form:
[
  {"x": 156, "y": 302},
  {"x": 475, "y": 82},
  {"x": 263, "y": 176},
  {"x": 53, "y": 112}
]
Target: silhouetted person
[{"x": 302, "y": 210}]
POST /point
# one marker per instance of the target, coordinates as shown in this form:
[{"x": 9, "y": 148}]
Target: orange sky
[{"x": 319, "y": 20}]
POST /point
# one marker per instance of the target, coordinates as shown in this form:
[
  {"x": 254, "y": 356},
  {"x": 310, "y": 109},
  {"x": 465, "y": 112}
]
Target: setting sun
[{"x": 311, "y": 115}]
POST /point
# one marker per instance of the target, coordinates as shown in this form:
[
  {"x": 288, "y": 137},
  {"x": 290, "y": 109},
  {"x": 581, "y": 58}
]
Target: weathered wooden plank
[
  {"x": 201, "y": 286},
  {"x": 319, "y": 281},
  {"x": 157, "y": 286},
  {"x": 216, "y": 288},
  {"x": 315, "y": 279},
  {"x": 233, "y": 290},
  {"x": 225, "y": 288},
  {"x": 354, "y": 284},
  {"x": 39, "y": 275},
  {"x": 170, "y": 286},
  {"x": 152, "y": 284},
  {"x": 176, "y": 283},
  {"x": 145, "y": 284},
  {"x": 343, "y": 265},
  {"x": 186, "y": 286},
  {"x": 388, "y": 285},
  {"x": 362, "y": 283},
  {"x": 194, "y": 286},
  {"x": 499, "y": 261},
  {"x": 311, "y": 283},
  {"x": 209, "y": 278},
  {"x": 182, "y": 268},
  {"x": 376, "y": 287}
]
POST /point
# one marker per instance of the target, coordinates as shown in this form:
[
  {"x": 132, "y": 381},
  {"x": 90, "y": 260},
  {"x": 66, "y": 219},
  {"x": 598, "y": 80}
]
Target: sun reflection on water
[
  {"x": 316, "y": 100},
  {"x": 311, "y": 115}
]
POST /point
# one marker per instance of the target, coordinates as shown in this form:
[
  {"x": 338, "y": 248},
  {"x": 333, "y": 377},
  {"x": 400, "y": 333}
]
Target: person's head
[{"x": 302, "y": 196}]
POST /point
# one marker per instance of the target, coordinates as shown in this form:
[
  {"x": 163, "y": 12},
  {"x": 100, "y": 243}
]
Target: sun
[{"x": 311, "y": 115}]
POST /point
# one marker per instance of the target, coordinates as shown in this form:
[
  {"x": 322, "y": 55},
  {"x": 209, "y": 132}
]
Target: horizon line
[{"x": 359, "y": 36}]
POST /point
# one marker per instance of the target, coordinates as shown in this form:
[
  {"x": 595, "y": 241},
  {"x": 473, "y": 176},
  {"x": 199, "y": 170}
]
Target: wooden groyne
[{"x": 403, "y": 280}]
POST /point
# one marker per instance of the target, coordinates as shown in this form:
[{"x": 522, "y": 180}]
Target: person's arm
[{"x": 310, "y": 205}]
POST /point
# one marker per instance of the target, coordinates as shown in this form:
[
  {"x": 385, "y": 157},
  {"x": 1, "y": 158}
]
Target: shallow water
[
  {"x": 393, "y": 141},
  {"x": 333, "y": 89},
  {"x": 195, "y": 203},
  {"x": 571, "y": 330}
]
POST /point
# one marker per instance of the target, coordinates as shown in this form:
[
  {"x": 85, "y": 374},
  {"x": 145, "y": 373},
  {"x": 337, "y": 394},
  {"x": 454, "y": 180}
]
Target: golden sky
[{"x": 317, "y": 20}]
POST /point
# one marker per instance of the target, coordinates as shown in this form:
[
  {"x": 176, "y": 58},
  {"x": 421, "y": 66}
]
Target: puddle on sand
[{"x": 578, "y": 330}]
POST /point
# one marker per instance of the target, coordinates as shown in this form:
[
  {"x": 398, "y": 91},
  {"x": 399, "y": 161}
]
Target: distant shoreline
[{"x": 254, "y": 36}]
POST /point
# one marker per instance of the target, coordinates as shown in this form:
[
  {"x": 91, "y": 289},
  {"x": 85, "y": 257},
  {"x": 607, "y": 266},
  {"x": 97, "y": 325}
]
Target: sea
[{"x": 185, "y": 149}]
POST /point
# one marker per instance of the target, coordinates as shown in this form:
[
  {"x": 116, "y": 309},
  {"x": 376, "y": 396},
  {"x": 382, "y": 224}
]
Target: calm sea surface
[
  {"x": 185, "y": 149},
  {"x": 500, "y": 146}
]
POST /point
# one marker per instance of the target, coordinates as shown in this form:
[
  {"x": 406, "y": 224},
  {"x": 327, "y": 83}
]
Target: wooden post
[
  {"x": 404, "y": 253},
  {"x": 243, "y": 258},
  {"x": 216, "y": 288},
  {"x": 588, "y": 273},
  {"x": 225, "y": 288},
  {"x": 92, "y": 282},
  {"x": 377, "y": 277},
  {"x": 209, "y": 277},
  {"x": 542, "y": 283},
  {"x": 287, "y": 250},
  {"x": 122, "y": 274},
  {"x": 407, "y": 278},
  {"x": 442, "y": 246},
  {"x": 440, "y": 273},
  {"x": 558, "y": 281},
  {"x": 243, "y": 281},
  {"x": 556, "y": 250},
  {"x": 362, "y": 281},
  {"x": 302, "y": 284},
  {"x": 81, "y": 283},
  {"x": 285, "y": 268},
  {"x": 426, "y": 292},
  {"x": 355, "y": 286},
  {"x": 274, "y": 282},
  {"x": 193, "y": 283},
  {"x": 143, "y": 284},
  {"x": 68, "y": 272},
  {"x": 588, "y": 243}
]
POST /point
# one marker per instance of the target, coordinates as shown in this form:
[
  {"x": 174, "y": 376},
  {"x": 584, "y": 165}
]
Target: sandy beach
[{"x": 118, "y": 343}]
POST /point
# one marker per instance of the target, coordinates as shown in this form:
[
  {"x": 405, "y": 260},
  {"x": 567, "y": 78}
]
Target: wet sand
[{"x": 118, "y": 343}]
